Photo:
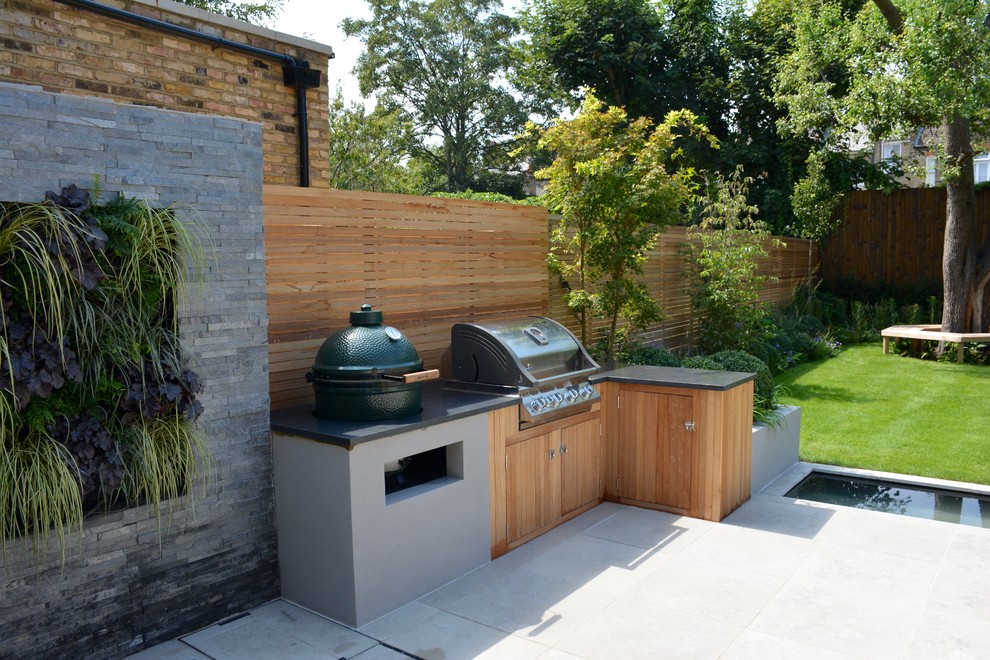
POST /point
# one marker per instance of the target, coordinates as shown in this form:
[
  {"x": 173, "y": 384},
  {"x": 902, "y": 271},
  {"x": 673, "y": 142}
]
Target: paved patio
[{"x": 778, "y": 578}]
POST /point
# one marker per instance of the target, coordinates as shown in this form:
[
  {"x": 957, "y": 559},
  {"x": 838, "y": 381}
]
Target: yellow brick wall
[{"x": 66, "y": 49}]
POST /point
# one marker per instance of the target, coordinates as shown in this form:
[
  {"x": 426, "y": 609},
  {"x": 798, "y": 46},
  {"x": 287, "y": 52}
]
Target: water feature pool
[{"x": 892, "y": 497}]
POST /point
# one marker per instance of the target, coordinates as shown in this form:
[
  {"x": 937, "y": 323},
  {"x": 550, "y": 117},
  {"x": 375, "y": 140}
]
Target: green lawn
[{"x": 868, "y": 410}]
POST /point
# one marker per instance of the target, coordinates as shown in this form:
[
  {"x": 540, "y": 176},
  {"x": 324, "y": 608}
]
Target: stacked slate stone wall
[{"x": 131, "y": 581}]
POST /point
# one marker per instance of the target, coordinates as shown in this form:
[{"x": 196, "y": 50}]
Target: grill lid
[
  {"x": 522, "y": 352},
  {"x": 365, "y": 349}
]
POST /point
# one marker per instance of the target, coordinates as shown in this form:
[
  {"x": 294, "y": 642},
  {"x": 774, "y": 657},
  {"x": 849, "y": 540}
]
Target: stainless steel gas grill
[{"x": 534, "y": 356}]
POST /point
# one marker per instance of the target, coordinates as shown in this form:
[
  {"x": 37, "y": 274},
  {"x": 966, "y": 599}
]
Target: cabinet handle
[
  {"x": 563, "y": 449},
  {"x": 553, "y": 453},
  {"x": 689, "y": 426}
]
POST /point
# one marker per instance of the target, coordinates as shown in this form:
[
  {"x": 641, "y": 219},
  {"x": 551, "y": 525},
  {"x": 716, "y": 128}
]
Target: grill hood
[{"x": 521, "y": 352}]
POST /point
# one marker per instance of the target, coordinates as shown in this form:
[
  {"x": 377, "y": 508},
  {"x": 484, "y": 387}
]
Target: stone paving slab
[{"x": 779, "y": 578}]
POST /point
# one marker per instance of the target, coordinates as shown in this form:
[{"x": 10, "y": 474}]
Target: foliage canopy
[
  {"x": 259, "y": 13},
  {"x": 367, "y": 149},
  {"x": 615, "y": 47},
  {"x": 445, "y": 63}
]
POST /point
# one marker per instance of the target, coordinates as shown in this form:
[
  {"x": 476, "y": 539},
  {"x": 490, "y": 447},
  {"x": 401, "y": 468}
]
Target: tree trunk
[
  {"x": 980, "y": 318},
  {"x": 959, "y": 249},
  {"x": 891, "y": 14}
]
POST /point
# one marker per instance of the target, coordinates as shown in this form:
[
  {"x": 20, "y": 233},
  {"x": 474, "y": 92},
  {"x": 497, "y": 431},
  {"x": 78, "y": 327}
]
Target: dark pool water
[{"x": 917, "y": 501}]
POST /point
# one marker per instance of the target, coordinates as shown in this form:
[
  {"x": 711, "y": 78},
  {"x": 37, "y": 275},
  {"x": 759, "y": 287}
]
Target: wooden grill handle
[{"x": 421, "y": 376}]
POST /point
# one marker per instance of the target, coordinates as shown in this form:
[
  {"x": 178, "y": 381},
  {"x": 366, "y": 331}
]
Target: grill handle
[{"x": 414, "y": 377}]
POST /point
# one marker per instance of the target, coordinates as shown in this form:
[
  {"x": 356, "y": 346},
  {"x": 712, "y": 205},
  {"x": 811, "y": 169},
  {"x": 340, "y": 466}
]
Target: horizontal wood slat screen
[
  {"x": 425, "y": 262},
  {"x": 428, "y": 263},
  {"x": 893, "y": 239},
  {"x": 791, "y": 265}
]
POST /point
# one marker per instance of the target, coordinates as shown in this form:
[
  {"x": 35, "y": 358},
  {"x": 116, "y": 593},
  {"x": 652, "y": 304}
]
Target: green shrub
[
  {"x": 490, "y": 197},
  {"x": 740, "y": 361},
  {"x": 793, "y": 343},
  {"x": 878, "y": 292},
  {"x": 978, "y": 353},
  {"x": 701, "y": 362},
  {"x": 824, "y": 346},
  {"x": 770, "y": 354},
  {"x": 725, "y": 250},
  {"x": 658, "y": 357},
  {"x": 809, "y": 324},
  {"x": 911, "y": 314},
  {"x": 934, "y": 309},
  {"x": 765, "y": 393},
  {"x": 861, "y": 317},
  {"x": 830, "y": 310}
]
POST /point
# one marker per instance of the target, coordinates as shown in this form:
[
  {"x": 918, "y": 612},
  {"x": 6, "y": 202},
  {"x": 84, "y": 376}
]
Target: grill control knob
[
  {"x": 535, "y": 405},
  {"x": 587, "y": 391},
  {"x": 571, "y": 394},
  {"x": 558, "y": 398}
]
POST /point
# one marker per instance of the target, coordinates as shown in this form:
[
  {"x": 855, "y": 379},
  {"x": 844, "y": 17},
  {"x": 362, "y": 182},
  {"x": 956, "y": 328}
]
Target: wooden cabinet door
[
  {"x": 674, "y": 468},
  {"x": 532, "y": 484},
  {"x": 655, "y": 448},
  {"x": 638, "y": 428},
  {"x": 580, "y": 465}
]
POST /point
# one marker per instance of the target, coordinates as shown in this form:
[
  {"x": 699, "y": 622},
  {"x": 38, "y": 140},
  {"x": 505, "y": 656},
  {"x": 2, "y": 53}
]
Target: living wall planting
[{"x": 97, "y": 403}]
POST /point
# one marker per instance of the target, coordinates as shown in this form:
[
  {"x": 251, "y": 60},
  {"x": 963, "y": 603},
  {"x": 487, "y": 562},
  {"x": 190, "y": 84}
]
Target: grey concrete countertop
[
  {"x": 696, "y": 379},
  {"x": 442, "y": 402}
]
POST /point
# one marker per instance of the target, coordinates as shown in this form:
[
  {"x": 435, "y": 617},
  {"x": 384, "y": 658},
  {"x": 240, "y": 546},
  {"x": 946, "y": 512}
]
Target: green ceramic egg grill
[{"x": 368, "y": 372}]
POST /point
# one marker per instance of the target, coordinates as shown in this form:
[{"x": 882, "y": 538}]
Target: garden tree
[
  {"x": 699, "y": 69},
  {"x": 616, "y": 183},
  {"x": 697, "y": 76},
  {"x": 367, "y": 150},
  {"x": 259, "y": 13},
  {"x": 726, "y": 248},
  {"x": 717, "y": 59},
  {"x": 829, "y": 176},
  {"x": 756, "y": 39},
  {"x": 647, "y": 57},
  {"x": 905, "y": 64},
  {"x": 617, "y": 48},
  {"x": 445, "y": 62}
]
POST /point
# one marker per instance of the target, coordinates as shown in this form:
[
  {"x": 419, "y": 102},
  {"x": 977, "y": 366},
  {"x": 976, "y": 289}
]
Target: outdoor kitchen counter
[
  {"x": 678, "y": 440},
  {"x": 695, "y": 379},
  {"x": 360, "y": 533},
  {"x": 441, "y": 403}
]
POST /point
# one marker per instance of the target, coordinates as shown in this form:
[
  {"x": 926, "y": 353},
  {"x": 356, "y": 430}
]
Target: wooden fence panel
[
  {"x": 426, "y": 262},
  {"x": 893, "y": 239},
  {"x": 788, "y": 266}
]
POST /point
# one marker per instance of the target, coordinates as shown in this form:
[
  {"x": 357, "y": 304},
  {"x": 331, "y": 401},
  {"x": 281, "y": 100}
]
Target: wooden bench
[{"x": 932, "y": 333}]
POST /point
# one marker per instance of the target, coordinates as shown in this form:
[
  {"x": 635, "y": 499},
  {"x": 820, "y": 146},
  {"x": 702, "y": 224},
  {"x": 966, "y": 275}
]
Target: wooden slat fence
[
  {"x": 791, "y": 265},
  {"x": 893, "y": 239},
  {"x": 426, "y": 262}
]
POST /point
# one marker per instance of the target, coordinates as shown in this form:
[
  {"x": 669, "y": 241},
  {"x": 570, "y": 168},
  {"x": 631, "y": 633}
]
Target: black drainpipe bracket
[{"x": 298, "y": 74}]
